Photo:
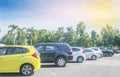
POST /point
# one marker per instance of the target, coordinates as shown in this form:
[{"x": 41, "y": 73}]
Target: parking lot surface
[{"x": 104, "y": 67}]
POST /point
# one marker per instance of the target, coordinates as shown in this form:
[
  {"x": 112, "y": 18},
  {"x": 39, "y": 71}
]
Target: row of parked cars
[
  {"x": 27, "y": 59},
  {"x": 61, "y": 53}
]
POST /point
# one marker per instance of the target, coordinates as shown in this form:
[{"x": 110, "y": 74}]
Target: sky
[{"x": 51, "y": 14}]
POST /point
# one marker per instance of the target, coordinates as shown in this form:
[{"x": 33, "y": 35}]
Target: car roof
[
  {"x": 90, "y": 49},
  {"x": 76, "y": 47},
  {"x": 51, "y": 43},
  {"x": 16, "y": 46}
]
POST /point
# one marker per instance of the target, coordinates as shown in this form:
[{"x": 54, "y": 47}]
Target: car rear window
[{"x": 64, "y": 47}]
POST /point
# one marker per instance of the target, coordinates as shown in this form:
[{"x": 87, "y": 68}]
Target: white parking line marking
[{"x": 51, "y": 72}]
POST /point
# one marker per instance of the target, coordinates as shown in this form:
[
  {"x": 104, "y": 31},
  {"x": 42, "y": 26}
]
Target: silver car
[
  {"x": 92, "y": 54},
  {"x": 98, "y": 51}
]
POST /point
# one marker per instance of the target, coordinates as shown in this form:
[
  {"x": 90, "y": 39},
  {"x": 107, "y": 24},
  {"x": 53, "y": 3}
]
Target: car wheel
[
  {"x": 80, "y": 59},
  {"x": 27, "y": 70},
  {"x": 110, "y": 54},
  {"x": 101, "y": 55},
  {"x": 60, "y": 62},
  {"x": 94, "y": 57},
  {"x": 105, "y": 55}
]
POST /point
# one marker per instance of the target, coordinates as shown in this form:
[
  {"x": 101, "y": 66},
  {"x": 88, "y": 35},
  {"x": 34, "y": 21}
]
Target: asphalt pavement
[{"x": 104, "y": 67}]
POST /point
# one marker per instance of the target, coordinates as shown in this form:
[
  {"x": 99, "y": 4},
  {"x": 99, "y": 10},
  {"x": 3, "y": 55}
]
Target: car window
[
  {"x": 20, "y": 50},
  {"x": 50, "y": 48},
  {"x": 17, "y": 50},
  {"x": 95, "y": 49},
  {"x": 39, "y": 48},
  {"x": 103, "y": 49},
  {"x": 65, "y": 47},
  {"x": 88, "y": 50},
  {"x": 75, "y": 49},
  {"x": 36, "y": 50},
  {"x": 3, "y": 51}
]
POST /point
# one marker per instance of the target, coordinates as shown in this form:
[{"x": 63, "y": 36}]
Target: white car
[
  {"x": 78, "y": 54},
  {"x": 97, "y": 51},
  {"x": 2, "y": 45},
  {"x": 91, "y": 54}
]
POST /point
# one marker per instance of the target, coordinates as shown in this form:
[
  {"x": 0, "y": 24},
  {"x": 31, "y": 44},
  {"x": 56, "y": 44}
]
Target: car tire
[
  {"x": 60, "y": 62},
  {"x": 94, "y": 57},
  {"x": 110, "y": 54},
  {"x": 80, "y": 59},
  {"x": 105, "y": 55},
  {"x": 27, "y": 70}
]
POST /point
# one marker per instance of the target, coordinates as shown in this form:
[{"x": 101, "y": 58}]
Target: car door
[
  {"x": 50, "y": 51},
  {"x": 13, "y": 59},
  {"x": 89, "y": 53},
  {"x": 76, "y": 53},
  {"x": 41, "y": 49},
  {"x": 2, "y": 56}
]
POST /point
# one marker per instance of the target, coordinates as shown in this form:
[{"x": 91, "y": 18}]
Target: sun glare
[{"x": 103, "y": 12}]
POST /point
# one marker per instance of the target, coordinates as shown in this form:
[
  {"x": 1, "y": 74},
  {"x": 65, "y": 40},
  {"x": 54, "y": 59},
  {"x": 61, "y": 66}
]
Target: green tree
[
  {"x": 50, "y": 37},
  {"x": 7, "y": 39},
  {"x": 21, "y": 36},
  {"x": 83, "y": 38},
  {"x": 59, "y": 35},
  {"x": 32, "y": 35},
  {"x": 13, "y": 32},
  {"x": 98, "y": 40},
  {"x": 42, "y": 35},
  {"x": 117, "y": 39},
  {"x": 80, "y": 28},
  {"x": 93, "y": 38},
  {"x": 108, "y": 35},
  {"x": 70, "y": 36}
]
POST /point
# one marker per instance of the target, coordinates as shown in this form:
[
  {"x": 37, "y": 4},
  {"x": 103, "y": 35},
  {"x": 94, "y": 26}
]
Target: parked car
[
  {"x": 78, "y": 54},
  {"x": 23, "y": 59},
  {"x": 92, "y": 54},
  {"x": 107, "y": 52},
  {"x": 2, "y": 45},
  {"x": 117, "y": 51},
  {"x": 58, "y": 53},
  {"x": 113, "y": 50},
  {"x": 97, "y": 50}
]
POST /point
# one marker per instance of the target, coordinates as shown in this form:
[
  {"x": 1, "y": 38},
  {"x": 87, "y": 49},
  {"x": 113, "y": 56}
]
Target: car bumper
[{"x": 70, "y": 58}]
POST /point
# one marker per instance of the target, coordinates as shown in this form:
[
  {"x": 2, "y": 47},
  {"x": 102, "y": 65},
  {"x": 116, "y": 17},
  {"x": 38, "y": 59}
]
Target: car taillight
[
  {"x": 35, "y": 55},
  {"x": 99, "y": 53},
  {"x": 70, "y": 52},
  {"x": 83, "y": 51}
]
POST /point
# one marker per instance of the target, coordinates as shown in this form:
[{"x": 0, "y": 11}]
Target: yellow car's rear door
[
  {"x": 13, "y": 59},
  {"x": 3, "y": 51}
]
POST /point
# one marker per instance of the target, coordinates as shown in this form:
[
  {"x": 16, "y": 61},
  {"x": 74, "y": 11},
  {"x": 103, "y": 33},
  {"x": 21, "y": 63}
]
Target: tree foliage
[{"x": 109, "y": 36}]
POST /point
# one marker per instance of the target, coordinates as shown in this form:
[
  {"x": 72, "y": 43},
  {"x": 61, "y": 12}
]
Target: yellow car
[{"x": 23, "y": 59}]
